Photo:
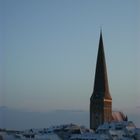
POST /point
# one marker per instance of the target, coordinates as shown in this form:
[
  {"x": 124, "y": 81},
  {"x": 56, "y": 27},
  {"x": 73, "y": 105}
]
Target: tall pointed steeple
[
  {"x": 101, "y": 80},
  {"x": 100, "y": 101}
]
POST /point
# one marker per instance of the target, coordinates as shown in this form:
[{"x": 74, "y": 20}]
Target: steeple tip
[
  {"x": 100, "y": 30},
  {"x": 101, "y": 38}
]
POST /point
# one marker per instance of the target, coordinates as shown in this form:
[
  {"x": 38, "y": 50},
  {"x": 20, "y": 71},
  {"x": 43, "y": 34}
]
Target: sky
[{"x": 48, "y": 52}]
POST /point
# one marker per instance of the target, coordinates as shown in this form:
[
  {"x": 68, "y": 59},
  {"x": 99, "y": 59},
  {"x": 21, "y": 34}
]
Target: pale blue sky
[{"x": 48, "y": 51}]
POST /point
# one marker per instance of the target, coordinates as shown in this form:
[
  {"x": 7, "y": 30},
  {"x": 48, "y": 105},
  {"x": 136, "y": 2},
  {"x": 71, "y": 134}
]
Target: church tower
[{"x": 100, "y": 101}]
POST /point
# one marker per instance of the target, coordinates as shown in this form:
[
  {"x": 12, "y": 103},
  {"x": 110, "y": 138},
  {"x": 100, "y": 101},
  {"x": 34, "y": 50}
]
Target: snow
[{"x": 123, "y": 130}]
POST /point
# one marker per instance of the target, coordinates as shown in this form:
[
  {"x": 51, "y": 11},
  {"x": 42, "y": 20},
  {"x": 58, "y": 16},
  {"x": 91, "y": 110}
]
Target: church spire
[
  {"x": 101, "y": 81},
  {"x": 100, "y": 101}
]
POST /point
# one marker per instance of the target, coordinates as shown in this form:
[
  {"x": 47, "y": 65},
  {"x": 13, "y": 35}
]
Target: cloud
[{"x": 63, "y": 110}]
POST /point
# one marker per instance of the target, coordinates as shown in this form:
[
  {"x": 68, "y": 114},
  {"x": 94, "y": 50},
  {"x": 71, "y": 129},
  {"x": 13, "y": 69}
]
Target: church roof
[
  {"x": 101, "y": 87},
  {"x": 118, "y": 116}
]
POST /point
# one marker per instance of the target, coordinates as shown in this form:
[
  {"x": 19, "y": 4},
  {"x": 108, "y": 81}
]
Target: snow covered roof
[{"x": 124, "y": 130}]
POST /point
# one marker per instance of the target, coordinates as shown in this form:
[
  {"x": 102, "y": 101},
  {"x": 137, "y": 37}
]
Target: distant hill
[
  {"x": 19, "y": 119},
  {"x": 15, "y": 119}
]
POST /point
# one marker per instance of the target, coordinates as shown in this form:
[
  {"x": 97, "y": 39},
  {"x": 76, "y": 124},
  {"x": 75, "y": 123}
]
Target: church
[{"x": 101, "y": 100}]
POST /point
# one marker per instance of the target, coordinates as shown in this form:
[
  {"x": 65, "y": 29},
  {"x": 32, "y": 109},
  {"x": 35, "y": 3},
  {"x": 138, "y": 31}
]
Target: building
[{"x": 100, "y": 101}]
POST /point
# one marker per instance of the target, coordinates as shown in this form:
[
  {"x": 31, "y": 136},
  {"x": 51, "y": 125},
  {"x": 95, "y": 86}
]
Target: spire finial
[{"x": 100, "y": 29}]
